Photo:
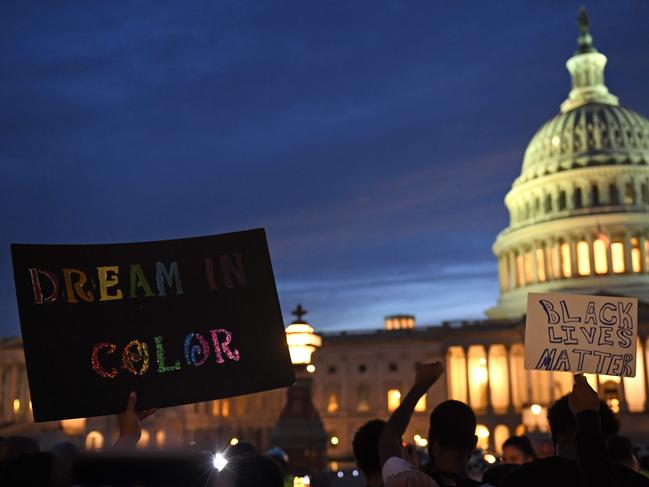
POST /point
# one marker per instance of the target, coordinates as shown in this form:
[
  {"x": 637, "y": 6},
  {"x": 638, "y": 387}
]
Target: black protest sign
[
  {"x": 178, "y": 321},
  {"x": 580, "y": 333}
]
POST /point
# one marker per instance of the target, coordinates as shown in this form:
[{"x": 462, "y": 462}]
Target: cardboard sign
[
  {"x": 178, "y": 321},
  {"x": 578, "y": 333}
]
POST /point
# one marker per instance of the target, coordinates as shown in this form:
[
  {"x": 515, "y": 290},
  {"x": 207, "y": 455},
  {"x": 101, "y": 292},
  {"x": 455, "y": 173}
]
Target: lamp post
[{"x": 299, "y": 430}]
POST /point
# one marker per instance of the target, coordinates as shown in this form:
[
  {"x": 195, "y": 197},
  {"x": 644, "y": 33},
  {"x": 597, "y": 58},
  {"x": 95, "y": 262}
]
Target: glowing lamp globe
[{"x": 302, "y": 342}]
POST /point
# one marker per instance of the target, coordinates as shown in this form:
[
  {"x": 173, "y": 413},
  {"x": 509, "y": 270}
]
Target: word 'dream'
[{"x": 574, "y": 333}]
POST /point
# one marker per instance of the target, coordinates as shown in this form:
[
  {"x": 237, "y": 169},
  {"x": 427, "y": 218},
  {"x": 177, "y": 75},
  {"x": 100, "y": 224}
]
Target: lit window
[
  {"x": 636, "y": 257},
  {"x": 215, "y": 408},
  {"x": 566, "y": 268},
  {"x": 583, "y": 258},
  {"x": 363, "y": 403},
  {"x": 479, "y": 372},
  {"x": 144, "y": 439},
  {"x": 520, "y": 271},
  {"x": 646, "y": 248},
  {"x": 332, "y": 403},
  {"x": 394, "y": 399},
  {"x": 520, "y": 430},
  {"x": 16, "y": 406},
  {"x": 540, "y": 265},
  {"x": 498, "y": 379},
  {"x": 528, "y": 267},
  {"x": 599, "y": 252},
  {"x": 225, "y": 408},
  {"x": 456, "y": 374},
  {"x": 160, "y": 438},
  {"x": 617, "y": 256},
  {"x": 478, "y": 377},
  {"x": 482, "y": 432},
  {"x": 94, "y": 441},
  {"x": 420, "y": 407},
  {"x": 556, "y": 256}
]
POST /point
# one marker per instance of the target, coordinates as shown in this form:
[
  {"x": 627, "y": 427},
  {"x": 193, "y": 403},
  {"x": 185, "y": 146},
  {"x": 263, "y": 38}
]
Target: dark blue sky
[{"x": 374, "y": 140}]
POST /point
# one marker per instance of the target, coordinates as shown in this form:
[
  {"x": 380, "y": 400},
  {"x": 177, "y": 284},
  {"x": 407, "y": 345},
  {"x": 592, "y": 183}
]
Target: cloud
[{"x": 433, "y": 295}]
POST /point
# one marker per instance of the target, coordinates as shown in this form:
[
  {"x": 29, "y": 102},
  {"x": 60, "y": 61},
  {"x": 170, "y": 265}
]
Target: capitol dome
[
  {"x": 579, "y": 211},
  {"x": 593, "y": 134}
]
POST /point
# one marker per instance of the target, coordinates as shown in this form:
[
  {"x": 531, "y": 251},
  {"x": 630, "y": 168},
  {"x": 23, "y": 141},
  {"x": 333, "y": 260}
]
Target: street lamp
[
  {"x": 535, "y": 418},
  {"x": 301, "y": 339}
]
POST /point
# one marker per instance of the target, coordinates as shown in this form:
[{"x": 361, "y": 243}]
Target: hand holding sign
[
  {"x": 129, "y": 422},
  {"x": 582, "y": 397},
  {"x": 578, "y": 333}
]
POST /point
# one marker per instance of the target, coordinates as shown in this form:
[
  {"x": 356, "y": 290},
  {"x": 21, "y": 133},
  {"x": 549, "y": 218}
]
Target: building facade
[{"x": 579, "y": 222}]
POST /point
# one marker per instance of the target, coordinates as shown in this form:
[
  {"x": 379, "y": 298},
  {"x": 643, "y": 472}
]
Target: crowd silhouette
[{"x": 587, "y": 452}]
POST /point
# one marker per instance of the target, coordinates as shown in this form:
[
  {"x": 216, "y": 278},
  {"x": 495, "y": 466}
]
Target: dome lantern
[{"x": 586, "y": 68}]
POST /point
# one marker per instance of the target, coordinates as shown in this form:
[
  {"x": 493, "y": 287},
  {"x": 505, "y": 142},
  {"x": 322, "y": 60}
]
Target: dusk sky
[{"x": 374, "y": 140}]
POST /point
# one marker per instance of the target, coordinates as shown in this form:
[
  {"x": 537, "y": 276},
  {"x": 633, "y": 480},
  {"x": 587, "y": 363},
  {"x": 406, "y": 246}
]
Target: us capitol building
[{"x": 579, "y": 223}]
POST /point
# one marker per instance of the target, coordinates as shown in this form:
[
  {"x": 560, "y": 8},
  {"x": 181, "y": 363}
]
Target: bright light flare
[
  {"x": 219, "y": 461},
  {"x": 489, "y": 458}
]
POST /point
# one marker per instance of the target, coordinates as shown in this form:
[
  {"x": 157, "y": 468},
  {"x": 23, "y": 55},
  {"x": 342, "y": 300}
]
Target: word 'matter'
[
  {"x": 135, "y": 354},
  {"x": 114, "y": 282}
]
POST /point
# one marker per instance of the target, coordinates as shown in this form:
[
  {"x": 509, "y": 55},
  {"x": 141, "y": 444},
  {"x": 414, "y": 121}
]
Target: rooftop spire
[
  {"x": 585, "y": 40},
  {"x": 586, "y": 68},
  {"x": 299, "y": 313}
]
